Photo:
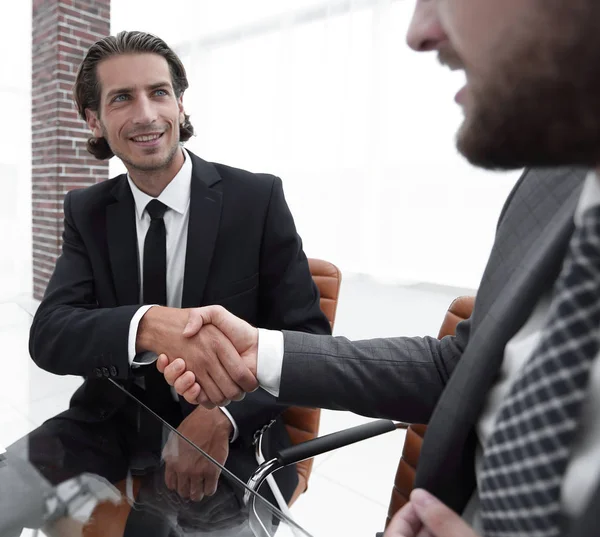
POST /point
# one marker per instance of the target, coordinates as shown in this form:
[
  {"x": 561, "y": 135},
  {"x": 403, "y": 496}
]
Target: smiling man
[
  {"x": 513, "y": 443},
  {"x": 174, "y": 232}
]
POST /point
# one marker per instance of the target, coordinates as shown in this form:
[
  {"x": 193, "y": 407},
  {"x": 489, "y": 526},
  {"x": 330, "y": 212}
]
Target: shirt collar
[
  {"x": 590, "y": 196},
  {"x": 175, "y": 196}
]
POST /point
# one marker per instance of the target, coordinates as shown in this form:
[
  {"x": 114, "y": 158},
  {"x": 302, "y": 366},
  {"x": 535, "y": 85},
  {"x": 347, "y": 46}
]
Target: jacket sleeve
[
  {"x": 71, "y": 334},
  {"x": 397, "y": 378}
]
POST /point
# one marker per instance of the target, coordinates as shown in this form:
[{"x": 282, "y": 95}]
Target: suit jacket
[
  {"x": 243, "y": 252},
  {"x": 445, "y": 383}
]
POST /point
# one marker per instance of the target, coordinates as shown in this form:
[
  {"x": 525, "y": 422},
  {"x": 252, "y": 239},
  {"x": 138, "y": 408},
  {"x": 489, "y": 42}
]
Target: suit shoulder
[
  {"x": 245, "y": 178},
  {"x": 536, "y": 183},
  {"x": 92, "y": 198},
  {"x": 95, "y": 193}
]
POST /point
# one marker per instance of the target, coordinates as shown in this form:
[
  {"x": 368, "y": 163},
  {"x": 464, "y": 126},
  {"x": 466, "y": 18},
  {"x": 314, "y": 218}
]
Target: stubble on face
[
  {"x": 147, "y": 165},
  {"x": 539, "y": 102}
]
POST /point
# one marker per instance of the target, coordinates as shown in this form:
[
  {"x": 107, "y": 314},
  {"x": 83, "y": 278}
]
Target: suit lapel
[
  {"x": 203, "y": 228},
  {"x": 122, "y": 244},
  {"x": 511, "y": 309},
  {"x": 464, "y": 396}
]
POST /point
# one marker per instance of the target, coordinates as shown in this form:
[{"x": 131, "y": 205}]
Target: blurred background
[{"x": 324, "y": 94}]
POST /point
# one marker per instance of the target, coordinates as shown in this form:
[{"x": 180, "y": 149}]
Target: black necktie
[
  {"x": 155, "y": 256},
  {"x": 159, "y": 396}
]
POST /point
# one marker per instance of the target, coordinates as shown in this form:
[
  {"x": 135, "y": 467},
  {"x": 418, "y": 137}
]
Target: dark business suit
[
  {"x": 445, "y": 383},
  {"x": 243, "y": 252}
]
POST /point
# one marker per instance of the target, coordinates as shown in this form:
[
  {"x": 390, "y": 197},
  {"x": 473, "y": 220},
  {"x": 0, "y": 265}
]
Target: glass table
[
  {"x": 46, "y": 490},
  {"x": 51, "y": 484}
]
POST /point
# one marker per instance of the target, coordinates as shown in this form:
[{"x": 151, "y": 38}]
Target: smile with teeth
[{"x": 147, "y": 137}]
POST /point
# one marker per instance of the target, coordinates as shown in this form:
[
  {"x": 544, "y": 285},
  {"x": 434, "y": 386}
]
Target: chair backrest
[
  {"x": 460, "y": 309},
  {"x": 303, "y": 423}
]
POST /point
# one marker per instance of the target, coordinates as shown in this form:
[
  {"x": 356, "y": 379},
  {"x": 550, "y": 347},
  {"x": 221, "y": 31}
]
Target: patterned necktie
[{"x": 527, "y": 453}]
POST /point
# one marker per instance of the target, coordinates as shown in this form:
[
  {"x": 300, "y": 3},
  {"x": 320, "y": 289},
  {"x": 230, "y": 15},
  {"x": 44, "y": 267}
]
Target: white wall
[
  {"x": 360, "y": 128},
  {"x": 15, "y": 151}
]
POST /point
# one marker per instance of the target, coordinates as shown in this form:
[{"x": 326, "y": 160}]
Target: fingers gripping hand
[{"x": 426, "y": 516}]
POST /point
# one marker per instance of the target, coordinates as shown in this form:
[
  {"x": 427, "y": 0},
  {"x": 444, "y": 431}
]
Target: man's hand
[
  {"x": 182, "y": 374},
  {"x": 207, "y": 353},
  {"x": 187, "y": 471},
  {"x": 426, "y": 516}
]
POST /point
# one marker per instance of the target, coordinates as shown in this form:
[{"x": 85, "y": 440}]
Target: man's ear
[
  {"x": 93, "y": 122},
  {"x": 181, "y": 110}
]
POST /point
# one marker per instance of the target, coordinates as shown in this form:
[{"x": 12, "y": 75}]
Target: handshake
[{"x": 215, "y": 361}]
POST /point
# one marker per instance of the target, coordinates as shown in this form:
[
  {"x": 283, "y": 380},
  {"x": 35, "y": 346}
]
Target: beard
[{"x": 540, "y": 103}]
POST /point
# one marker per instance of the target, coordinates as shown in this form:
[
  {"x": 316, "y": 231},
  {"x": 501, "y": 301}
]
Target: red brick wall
[{"x": 62, "y": 31}]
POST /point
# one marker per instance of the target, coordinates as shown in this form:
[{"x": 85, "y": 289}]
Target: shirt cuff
[
  {"x": 236, "y": 431},
  {"x": 133, "y": 330},
  {"x": 269, "y": 360}
]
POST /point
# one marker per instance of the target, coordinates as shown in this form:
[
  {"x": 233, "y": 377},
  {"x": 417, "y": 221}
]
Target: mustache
[
  {"x": 145, "y": 129},
  {"x": 449, "y": 58}
]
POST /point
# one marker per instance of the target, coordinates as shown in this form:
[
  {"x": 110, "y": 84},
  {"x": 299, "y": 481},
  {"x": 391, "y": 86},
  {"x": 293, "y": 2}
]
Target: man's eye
[
  {"x": 161, "y": 92},
  {"x": 120, "y": 98}
]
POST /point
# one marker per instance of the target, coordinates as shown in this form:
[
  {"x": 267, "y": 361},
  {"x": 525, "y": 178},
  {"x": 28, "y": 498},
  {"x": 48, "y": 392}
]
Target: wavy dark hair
[{"x": 86, "y": 91}]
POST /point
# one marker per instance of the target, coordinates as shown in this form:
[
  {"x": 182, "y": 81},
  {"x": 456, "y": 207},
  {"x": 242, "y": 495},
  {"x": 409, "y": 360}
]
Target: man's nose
[
  {"x": 425, "y": 32},
  {"x": 145, "y": 111}
]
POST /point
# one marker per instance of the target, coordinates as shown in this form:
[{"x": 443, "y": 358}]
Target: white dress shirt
[
  {"x": 176, "y": 196},
  {"x": 583, "y": 470}
]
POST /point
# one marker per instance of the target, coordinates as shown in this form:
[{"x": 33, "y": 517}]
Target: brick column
[{"x": 62, "y": 31}]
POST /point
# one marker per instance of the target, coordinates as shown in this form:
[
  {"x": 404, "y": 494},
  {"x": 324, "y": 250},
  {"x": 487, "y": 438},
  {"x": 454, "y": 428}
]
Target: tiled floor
[{"x": 349, "y": 489}]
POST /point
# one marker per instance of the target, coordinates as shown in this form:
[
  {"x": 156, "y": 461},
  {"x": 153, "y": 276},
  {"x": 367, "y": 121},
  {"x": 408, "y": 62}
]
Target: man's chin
[
  {"x": 150, "y": 162},
  {"x": 503, "y": 150},
  {"x": 491, "y": 143},
  {"x": 495, "y": 156}
]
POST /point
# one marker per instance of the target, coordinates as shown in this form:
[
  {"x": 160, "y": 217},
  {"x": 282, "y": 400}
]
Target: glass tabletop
[
  {"x": 44, "y": 486},
  {"x": 60, "y": 480}
]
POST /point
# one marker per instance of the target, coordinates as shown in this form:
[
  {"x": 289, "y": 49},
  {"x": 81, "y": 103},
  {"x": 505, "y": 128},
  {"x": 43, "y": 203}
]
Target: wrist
[
  {"x": 223, "y": 422},
  {"x": 145, "y": 340},
  {"x": 220, "y": 420},
  {"x": 157, "y": 327},
  {"x": 252, "y": 361}
]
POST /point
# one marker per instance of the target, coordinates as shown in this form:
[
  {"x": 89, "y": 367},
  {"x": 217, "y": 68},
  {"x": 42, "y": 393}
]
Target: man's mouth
[
  {"x": 460, "y": 97},
  {"x": 450, "y": 59},
  {"x": 151, "y": 137},
  {"x": 452, "y": 65}
]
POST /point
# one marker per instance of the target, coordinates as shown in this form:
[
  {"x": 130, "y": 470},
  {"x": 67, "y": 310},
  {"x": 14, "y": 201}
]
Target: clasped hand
[
  {"x": 224, "y": 368},
  {"x": 187, "y": 470},
  {"x": 426, "y": 516}
]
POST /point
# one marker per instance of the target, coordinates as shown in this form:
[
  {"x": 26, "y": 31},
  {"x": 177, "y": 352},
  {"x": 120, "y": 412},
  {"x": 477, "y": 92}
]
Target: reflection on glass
[{"x": 54, "y": 485}]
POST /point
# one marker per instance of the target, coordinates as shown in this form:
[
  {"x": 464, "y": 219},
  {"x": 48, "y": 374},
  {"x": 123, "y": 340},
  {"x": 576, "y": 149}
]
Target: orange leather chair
[
  {"x": 302, "y": 423},
  {"x": 460, "y": 309}
]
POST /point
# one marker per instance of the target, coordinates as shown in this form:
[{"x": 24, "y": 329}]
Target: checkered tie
[{"x": 527, "y": 453}]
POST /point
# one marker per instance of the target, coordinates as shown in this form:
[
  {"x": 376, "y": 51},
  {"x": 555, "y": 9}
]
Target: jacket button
[
  {"x": 98, "y": 372},
  {"x": 105, "y": 372},
  {"x": 113, "y": 371}
]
